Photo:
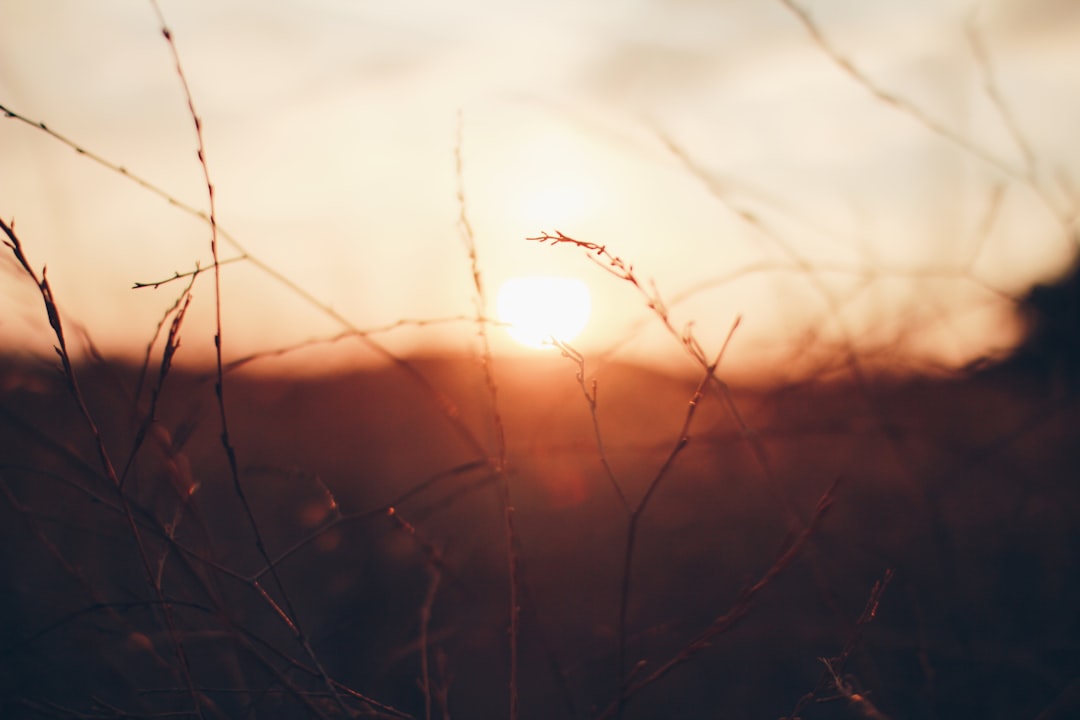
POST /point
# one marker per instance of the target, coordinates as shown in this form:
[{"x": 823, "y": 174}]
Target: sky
[{"x": 715, "y": 146}]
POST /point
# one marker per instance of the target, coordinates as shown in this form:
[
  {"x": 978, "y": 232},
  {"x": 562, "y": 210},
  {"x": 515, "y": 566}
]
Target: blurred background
[
  {"x": 894, "y": 179},
  {"x": 900, "y": 203}
]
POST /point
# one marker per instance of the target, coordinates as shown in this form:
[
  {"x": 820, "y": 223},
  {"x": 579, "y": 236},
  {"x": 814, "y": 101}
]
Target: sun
[{"x": 537, "y": 309}]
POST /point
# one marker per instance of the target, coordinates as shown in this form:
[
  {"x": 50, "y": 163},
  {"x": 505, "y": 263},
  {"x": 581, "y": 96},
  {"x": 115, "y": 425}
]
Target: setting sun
[{"x": 536, "y": 309}]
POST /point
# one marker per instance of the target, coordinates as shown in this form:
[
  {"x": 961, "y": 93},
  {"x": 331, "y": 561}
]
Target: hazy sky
[{"x": 654, "y": 128}]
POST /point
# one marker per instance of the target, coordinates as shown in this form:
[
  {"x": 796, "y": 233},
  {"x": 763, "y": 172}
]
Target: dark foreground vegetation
[{"x": 949, "y": 507}]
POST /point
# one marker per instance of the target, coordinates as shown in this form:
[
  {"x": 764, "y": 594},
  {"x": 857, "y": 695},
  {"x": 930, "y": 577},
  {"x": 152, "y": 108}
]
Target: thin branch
[
  {"x": 194, "y": 272},
  {"x": 682, "y": 440},
  {"x": 834, "y": 666},
  {"x": 172, "y": 344},
  {"x": 104, "y": 162},
  {"x": 858, "y": 701},
  {"x": 387, "y": 508},
  {"x": 499, "y": 461},
  {"x": 913, "y": 111},
  {"x": 889, "y": 98},
  {"x": 990, "y": 87},
  {"x": 425, "y": 621},
  {"x": 591, "y": 397},
  {"x": 359, "y": 333}
]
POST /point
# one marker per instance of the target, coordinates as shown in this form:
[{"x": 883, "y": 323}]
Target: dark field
[{"x": 959, "y": 496}]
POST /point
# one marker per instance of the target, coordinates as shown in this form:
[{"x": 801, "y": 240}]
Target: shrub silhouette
[{"x": 1051, "y": 312}]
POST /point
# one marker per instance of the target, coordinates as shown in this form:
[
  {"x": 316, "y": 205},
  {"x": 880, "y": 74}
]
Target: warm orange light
[{"x": 537, "y": 309}]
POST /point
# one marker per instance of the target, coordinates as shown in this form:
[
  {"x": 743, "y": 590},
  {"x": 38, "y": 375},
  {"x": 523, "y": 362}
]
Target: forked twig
[{"x": 591, "y": 394}]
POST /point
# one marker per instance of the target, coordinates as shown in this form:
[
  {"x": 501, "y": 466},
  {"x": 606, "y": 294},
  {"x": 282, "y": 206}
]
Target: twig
[
  {"x": 591, "y": 397},
  {"x": 193, "y": 273},
  {"x": 858, "y": 701},
  {"x": 104, "y": 162},
  {"x": 990, "y": 87},
  {"x": 499, "y": 461},
  {"x": 913, "y": 111},
  {"x": 425, "y": 621},
  {"x": 834, "y": 666},
  {"x": 359, "y": 333},
  {"x": 887, "y": 97},
  {"x": 388, "y": 509},
  {"x": 172, "y": 344},
  {"x": 631, "y": 532},
  {"x": 435, "y": 568}
]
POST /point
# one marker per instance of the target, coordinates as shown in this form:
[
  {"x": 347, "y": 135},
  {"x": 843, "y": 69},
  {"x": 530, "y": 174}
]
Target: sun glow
[{"x": 537, "y": 309}]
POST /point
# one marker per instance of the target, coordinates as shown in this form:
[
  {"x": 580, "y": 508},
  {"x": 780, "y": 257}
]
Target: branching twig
[
  {"x": 107, "y": 466},
  {"x": 288, "y": 613},
  {"x": 172, "y": 344},
  {"x": 591, "y": 397},
  {"x": 635, "y": 517},
  {"x": 625, "y": 271},
  {"x": 425, "y": 621},
  {"x": 742, "y": 606}
]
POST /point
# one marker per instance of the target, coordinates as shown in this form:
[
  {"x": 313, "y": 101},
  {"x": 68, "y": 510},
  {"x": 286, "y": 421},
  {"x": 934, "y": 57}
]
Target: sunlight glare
[
  {"x": 537, "y": 309},
  {"x": 561, "y": 203}
]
